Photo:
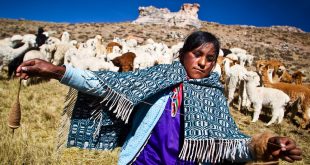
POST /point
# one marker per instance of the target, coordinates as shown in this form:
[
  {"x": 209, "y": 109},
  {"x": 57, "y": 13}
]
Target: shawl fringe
[
  {"x": 121, "y": 106},
  {"x": 213, "y": 151},
  {"x": 65, "y": 121}
]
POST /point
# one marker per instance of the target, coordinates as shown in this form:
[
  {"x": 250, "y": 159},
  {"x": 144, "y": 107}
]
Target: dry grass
[{"x": 34, "y": 142}]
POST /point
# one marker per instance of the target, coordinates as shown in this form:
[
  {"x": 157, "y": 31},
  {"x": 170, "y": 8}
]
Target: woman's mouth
[{"x": 199, "y": 70}]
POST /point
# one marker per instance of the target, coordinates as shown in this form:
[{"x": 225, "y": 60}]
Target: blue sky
[{"x": 246, "y": 12}]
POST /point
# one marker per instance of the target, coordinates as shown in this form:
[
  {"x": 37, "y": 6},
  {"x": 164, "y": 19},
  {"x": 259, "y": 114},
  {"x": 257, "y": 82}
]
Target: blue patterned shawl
[{"x": 210, "y": 132}]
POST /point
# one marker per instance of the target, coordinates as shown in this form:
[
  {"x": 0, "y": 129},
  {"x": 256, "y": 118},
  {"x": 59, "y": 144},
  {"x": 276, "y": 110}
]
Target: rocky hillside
[{"x": 290, "y": 45}]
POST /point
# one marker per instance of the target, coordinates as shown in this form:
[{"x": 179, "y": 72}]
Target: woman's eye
[
  {"x": 210, "y": 58},
  {"x": 197, "y": 54}
]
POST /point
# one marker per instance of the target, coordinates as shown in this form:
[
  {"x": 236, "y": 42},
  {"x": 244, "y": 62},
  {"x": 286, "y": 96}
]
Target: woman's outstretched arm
[{"x": 76, "y": 78}]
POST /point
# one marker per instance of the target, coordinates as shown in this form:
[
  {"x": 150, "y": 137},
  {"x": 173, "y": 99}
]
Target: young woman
[{"x": 169, "y": 114}]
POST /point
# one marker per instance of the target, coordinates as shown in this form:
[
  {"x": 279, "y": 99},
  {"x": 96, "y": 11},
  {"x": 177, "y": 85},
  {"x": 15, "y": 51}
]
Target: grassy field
[{"x": 34, "y": 142}]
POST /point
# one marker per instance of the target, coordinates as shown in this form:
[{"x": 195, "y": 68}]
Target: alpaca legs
[
  {"x": 275, "y": 114},
  {"x": 231, "y": 92},
  {"x": 232, "y": 84},
  {"x": 281, "y": 115},
  {"x": 257, "y": 110}
]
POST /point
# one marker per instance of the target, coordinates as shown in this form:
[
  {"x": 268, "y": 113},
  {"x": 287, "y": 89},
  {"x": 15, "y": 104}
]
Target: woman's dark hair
[{"x": 198, "y": 38}]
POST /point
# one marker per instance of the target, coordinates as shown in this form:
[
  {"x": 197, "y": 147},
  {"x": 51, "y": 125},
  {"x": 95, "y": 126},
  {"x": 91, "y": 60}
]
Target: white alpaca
[
  {"x": 65, "y": 37},
  {"x": 238, "y": 51},
  {"x": 13, "y": 41},
  {"x": 234, "y": 76},
  {"x": 59, "y": 55},
  {"x": 243, "y": 58},
  {"x": 261, "y": 96},
  {"x": 8, "y": 54}
]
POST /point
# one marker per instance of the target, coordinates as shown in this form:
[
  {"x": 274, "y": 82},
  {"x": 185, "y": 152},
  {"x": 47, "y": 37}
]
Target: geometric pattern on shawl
[{"x": 78, "y": 127}]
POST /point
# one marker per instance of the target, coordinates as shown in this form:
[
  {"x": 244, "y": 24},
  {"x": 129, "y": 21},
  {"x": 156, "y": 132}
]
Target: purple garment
[{"x": 164, "y": 145}]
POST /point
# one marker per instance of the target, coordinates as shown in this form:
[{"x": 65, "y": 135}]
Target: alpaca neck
[{"x": 267, "y": 80}]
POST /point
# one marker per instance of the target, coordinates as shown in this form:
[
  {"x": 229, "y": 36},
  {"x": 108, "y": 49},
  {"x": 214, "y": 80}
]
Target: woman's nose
[{"x": 202, "y": 61}]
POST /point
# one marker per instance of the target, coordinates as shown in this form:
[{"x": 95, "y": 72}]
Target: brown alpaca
[
  {"x": 110, "y": 46},
  {"x": 124, "y": 62},
  {"x": 276, "y": 64}
]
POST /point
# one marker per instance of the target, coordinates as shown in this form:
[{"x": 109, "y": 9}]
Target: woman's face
[{"x": 199, "y": 62}]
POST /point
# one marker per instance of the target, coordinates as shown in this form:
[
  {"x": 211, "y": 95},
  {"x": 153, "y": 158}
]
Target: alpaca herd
[{"x": 270, "y": 84}]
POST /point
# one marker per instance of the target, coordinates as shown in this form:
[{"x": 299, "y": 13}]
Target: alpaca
[
  {"x": 111, "y": 45},
  {"x": 124, "y": 62},
  {"x": 276, "y": 64},
  {"x": 65, "y": 38},
  {"x": 40, "y": 37},
  {"x": 234, "y": 76},
  {"x": 261, "y": 96},
  {"x": 15, "y": 41},
  {"x": 8, "y": 54}
]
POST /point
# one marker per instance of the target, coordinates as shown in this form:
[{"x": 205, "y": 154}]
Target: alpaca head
[
  {"x": 250, "y": 59},
  {"x": 252, "y": 77},
  {"x": 125, "y": 62},
  {"x": 280, "y": 70},
  {"x": 65, "y": 37},
  {"x": 52, "y": 41}
]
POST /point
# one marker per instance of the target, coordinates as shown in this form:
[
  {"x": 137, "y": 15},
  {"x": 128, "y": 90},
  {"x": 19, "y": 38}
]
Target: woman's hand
[
  {"x": 39, "y": 68},
  {"x": 284, "y": 148}
]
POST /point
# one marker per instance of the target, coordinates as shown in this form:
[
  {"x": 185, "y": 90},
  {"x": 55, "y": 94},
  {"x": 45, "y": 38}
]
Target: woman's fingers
[
  {"x": 25, "y": 63},
  {"x": 295, "y": 151},
  {"x": 295, "y": 157},
  {"x": 22, "y": 68},
  {"x": 285, "y": 148},
  {"x": 287, "y": 158},
  {"x": 292, "y": 155},
  {"x": 40, "y": 68}
]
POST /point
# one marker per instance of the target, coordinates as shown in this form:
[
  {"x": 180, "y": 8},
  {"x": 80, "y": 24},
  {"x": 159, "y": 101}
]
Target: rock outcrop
[
  {"x": 186, "y": 16},
  {"x": 287, "y": 28}
]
